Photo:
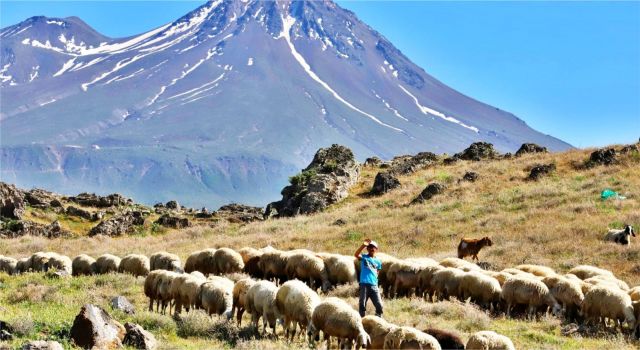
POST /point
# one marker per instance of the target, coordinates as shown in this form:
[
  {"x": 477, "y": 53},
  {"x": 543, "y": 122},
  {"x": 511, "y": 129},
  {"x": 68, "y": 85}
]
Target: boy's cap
[{"x": 373, "y": 243}]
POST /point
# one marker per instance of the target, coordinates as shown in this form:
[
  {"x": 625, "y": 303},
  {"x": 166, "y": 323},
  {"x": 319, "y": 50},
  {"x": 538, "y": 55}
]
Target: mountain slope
[{"x": 222, "y": 104}]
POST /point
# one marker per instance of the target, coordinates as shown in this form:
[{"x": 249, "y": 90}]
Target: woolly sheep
[
  {"x": 604, "y": 302},
  {"x": 424, "y": 281},
  {"x": 134, "y": 264},
  {"x": 489, "y": 340},
  {"x": 528, "y": 291},
  {"x": 201, "y": 260},
  {"x": 307, "y": 267},
  {"x": 251, "y": 259},
  {"x": 60, "y": 262},
  {"x": 42, "y": 261},
  {"x": 163, "y": 289},
  {"x": 567, "y": 292},
  {"x": 216, "y": 296},
  {"x": 340, "y": 268},
  {"x": 335, "y": 318},
  {"x": 409, "y": 338},
  {"x": 458, "y": 263},
  {"x": 165, "y": 261},
  {"x": 239, "y": 292},
  {"x": 273, "y": 265},
  {"x": 537, "y": 270},
  {"x": 634, "y": 293},
  {"x": 8, "y": 265},
  {"x": 150, "y": 288},
  {"x": 190, "y": 290},
  {"x": 622, "y": 236},
  {"x": 516, "y": 272},
  {"x": 586, "y": 271},
  {"x": 446, "y": 282},
  {"x": 498, "y": 275},
  {"x": 23, "y": 265},
  {"x": 227, "y": 260},
  {"x": 604, "y": 279},
  {"x": 447, "y": 339},
  {"x": 83, "y": 265},
  {"x": 482, "y": 289},
  {"x": 377, "y": 329},
  {"x": 295, "y": 302},
  {"x": 107, "y": 263},
  {"x": 403, "y": 275},
  {"x": 260, "y": 302}
]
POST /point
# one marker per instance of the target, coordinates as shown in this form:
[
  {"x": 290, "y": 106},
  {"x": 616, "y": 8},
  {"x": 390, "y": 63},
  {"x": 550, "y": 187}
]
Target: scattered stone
[
  {"x": 540, "y": 170},
  {"x": 372, "y": 162},
  {"x": 602, "y": 157},
  {"x": 121, "y": 303},
  {"x": 85, "y": 214},
  {"x": 12, "y": 203},
  {"x": 56, "y": 203},
  {"x": 527, "y": 148},
  {"x": 241, "y": 213},
  {"x": 93, "y": 200},
  {"x": 340, "y": 222},
  {"x": 630, "y": 149},
  {"x": 431, "y": 190},
  {"x": 478, "y": 151},
  {"x": 470, "y": 176},
  {"x": 167, "y": 220},
  {"x": 119, "y": 224},
  {"x": 30, "y": 228},
  {"x": 410, "y": 164},
  {"x": 450, "y": 160},
  {"x": 42, "y": 345},
  {"x": 384, "y": 182},
  {"x": 324, "y": 182},
  {"x": 93, "y": 327},
  {"x": 204, "y": 213},
  {"x": 138, "y": 338},
  {"x": 172, "y": 205}
]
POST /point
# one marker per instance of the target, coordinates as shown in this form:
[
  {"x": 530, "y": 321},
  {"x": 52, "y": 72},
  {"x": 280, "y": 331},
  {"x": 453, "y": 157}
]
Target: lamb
[
  {"x": 620, "y": 236},
  {"x": 216, "y": 296},
  {"x": 489, "y": 340},
  {"x": 227, "y": 260},
  {"x": 537, "y": 270},
  {"x": 273, "y": 265},
  {"x": 335, "y": 318},
  {"x": 424, "y": 281},
  {"x": 134, "y": 264},
  {"x": 377, "y": 329},
  {"x": 107, "y": 263},
  {"x": 239, "y": 291},
  {"x": 471, "y": 247},
  {"x": 306, "y": 266},
  {"x": 447, "y": 339},
  {"x": 482, "y": 289},
  {"x": 8, "y": 265},
  {"x": 458, "y": 263},
  {"x": 409, "y": 338},
  {"x": 251, "y": 259},
  {"x": 586, "y": 271},
  {"x": 446, "y": 282},
  {"x": 201, "y": 260},
  {"x": 83, "y": 265},
  {"x": 260, "y": 302},
  {"x": 295, "y": 302},
  {"x": 530, "y": 292},
  {"x": 604, "y": 302},
  {"x": 567, "y": 292},
  {"x": 340, "y": 268},
  {"x": 165, "y": 261}
]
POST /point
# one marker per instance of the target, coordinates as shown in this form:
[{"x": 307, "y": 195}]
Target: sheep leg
[
  {"x": 239, "y": 315},
  {"x": 150, "y": 304}
]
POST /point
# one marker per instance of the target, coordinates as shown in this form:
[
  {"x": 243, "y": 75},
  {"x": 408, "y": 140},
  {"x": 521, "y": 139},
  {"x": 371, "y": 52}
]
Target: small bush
[
  {"x": 194, "y": 324},
  {"x": 226, "y": 331},
  {"x": 32, "y": 292},
  {"x": 23, "y": 326},
  {"x": 302, "y": 178},
  {"x": 351, "y": 290},
  {"x": 152, "y": 321}
]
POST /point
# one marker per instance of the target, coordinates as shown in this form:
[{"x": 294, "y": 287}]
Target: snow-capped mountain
[{"x": 222, "y": 104}]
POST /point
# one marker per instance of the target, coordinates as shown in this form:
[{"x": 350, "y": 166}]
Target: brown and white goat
[{"x": 471, "y": 247}]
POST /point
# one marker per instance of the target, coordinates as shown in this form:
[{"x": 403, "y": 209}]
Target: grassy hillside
[{"x": 558, "y": 221}]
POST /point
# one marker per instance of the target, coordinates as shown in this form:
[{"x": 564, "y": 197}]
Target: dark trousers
[{"x": 367, "y": 292}]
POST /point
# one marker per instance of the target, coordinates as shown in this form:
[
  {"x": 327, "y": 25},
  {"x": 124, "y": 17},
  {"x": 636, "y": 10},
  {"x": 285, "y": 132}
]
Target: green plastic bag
[{"x": 606, "y": 194}]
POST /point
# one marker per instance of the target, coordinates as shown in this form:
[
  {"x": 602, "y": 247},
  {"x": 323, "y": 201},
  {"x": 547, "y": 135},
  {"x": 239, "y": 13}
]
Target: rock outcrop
[
  {"x": 12, "y": 203},
  {"x": 94, "y": 328},
  {"x": 384, "y": 182},
  {"x": 26, "y": 227},
  {"x": 324, "y": 182},
  {"x": 85, "y": 214},
  {"x": 372, "y": 161},
  {"x": 240, "y": 213},
  {"x": 42, "y": 345},
  {"x": 40, "y": 198},
  {"x": 478, "y": 151},
  {"x": 429, "y": 192},
  {"x": 119, "y": 224},
  {"x": 404, "y": 165},
  {"x": 93, "y": 200},
  {"x": 527, "y": 148},
  {"x": 602, "y": 156},
  {"x": 138, "y": 338},
  {"x": 540, "y": 170},
  {"x": 171, "y": 221}
]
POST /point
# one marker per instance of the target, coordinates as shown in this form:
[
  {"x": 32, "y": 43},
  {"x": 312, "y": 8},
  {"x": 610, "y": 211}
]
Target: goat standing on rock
[{"x": 471, "y": 247}]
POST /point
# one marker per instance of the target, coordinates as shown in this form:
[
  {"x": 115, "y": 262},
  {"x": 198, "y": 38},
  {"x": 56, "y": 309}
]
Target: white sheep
[
  {"x": 537, "y": 270},
  {"x": 340, "y": 268},
  {"x": 499, "y": 275},
  {"x": 134, "y": 264},
  {"x": 446, "y": 282},
  {"x": 227, "y": 260},
  {"x": 83, "y": 264},
  {"x": 424, "y": 281},
  {"x": 23, "y": 265},
  {"x": 482, "y": 289},
  {"x": 335, "y": 318},
  {"x": 377, "y": 329},
  {"x": 260, "y": 302},
  {"x": 609, "y": 280},
  {"x": 409, "y": 338},
  {"x": 459, "y": 264},
  {"x": 528, "y": 291},
  {"x": 273, "y": 265},
  {"x": 174, "y": 291},
  {"x": 622, "y": 236},
  {"x": 201, "y": 260},
  {"x": 567, "y": 292},
  {"x": 403, "y": 277},
  {"x": 239, "y": 292},
  {"x": 306, "y": 266},
  {"x": 634, "y": 293},
  {"x": 163, "y": 289},
  {"x": 190, "y": 290},
  {"x": 107, "y": 263},
  {"x": 605, "y": 302},
  {"x": 165, "y": 261},
  {"x": 44, "y": 261},
  {"x": 586, "y": 271},
  {"x": 8, "y": 265},
  {"x": 489, "y": 340},
  {"x": 216, "y": 296},
  {"x": 295, "y": 302},
  {"x": 150, "y": 287}
]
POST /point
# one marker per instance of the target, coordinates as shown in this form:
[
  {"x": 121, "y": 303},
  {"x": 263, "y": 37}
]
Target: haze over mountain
[{"x": 222, "y": 104}]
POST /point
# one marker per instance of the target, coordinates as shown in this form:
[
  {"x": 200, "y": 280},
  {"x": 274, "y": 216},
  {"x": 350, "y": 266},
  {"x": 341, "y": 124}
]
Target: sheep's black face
[{"x": 631, "y": 231}]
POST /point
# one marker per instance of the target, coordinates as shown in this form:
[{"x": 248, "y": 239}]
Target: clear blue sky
[{"x": 568, "y": 69}]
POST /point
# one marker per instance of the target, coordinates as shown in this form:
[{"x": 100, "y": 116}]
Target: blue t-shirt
[{"x": 369, "y": 268}]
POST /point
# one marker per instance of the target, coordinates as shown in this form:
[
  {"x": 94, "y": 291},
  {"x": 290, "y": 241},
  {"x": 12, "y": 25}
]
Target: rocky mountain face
[{"x": 223, "y": 104}]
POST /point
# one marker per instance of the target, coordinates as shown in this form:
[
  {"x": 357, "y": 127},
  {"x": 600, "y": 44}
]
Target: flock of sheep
[{"x": 282, "y": 286}]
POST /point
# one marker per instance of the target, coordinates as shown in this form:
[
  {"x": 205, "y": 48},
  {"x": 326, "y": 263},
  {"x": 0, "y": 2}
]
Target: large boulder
[
  {"x": 12, "y": 202},
  {"x": 403, "y": 165},
  {"x": 384, "y": 182},
  {"x": 235, "y": 212},
  {"x": 94, "y": 200},
  {"x": 119, "y": 224},
  {"x": 42, "y": 345},
  {"x": 478, "y": 151},
  {"x": 527, "y": 148},
  {"x": 602, "y": 157},
  {"x": 123, "y": 304},
  {"x": 171, "y": 221},
  {"x": 540, "y": 170},
  {"x": 324, "y": 182},
  {"x": 94, "y": 328},
  {"x": 429, "y": 192},
  {"x": 173, "y": 205},
  {"x": 85, "y": 214},
  {"x": 30, "y": 228},
  {"x": 138, "y": 338}
]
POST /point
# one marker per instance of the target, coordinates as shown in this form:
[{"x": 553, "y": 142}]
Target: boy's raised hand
[{"x": 367, "y": 241}]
